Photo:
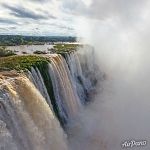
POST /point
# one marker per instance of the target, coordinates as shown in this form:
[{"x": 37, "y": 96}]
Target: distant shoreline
[{"x": 17, "y": 40}]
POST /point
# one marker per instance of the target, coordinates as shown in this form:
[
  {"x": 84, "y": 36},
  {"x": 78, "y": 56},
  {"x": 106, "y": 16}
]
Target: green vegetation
[
  {"x": 22, "y": 62},
  {"x": 25, "y": 62},
  {"x": 4, "y": 52},
  {"x": 39, "y": 52},
  {"x": 13, "y": 40},
  {"x": 62, "y": 48}
]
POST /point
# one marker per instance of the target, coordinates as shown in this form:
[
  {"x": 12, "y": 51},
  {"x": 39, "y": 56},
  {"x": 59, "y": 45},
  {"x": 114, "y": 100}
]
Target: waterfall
[
  {"x": 35, "y": 76},
  {"x": 64, "y": 85},
  {"x": 80, "y": 82},
  {"x": 65, "y": 94},
  {"x": 26, "y": 120},
  {"x": 37, "y": 103},
  {"x": 65, "y": 103},
  {"x": 82, "y": 66}
]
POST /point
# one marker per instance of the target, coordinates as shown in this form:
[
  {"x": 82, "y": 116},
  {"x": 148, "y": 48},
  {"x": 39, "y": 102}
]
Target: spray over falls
[{"x": 35, "y": 105}]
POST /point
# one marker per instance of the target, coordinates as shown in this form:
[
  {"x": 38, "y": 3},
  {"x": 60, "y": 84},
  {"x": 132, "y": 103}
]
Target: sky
[
  {"x": 38, "y": 17},
  {"x": 69, "y": 17}
]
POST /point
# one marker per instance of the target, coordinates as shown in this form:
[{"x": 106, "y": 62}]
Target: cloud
[
  {"x": 128, "y": 10},
  {"x": 41, "y": 1},
  {"x": 12, "y": 28},
  {"x": 124, "y": 10},
  {"x": 7, "y": 21},
  {"x": 22, "y": 12},
  {"x": 63, "y": 27},
  {"x": 46, "y": 12},
  {"x": 3, "y": 29},
  {"x": 46, "y": 16},
  {"x": 76, "y": 7}
]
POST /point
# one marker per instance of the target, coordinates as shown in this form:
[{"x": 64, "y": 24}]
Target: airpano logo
[{"x": 133, "y": 143}]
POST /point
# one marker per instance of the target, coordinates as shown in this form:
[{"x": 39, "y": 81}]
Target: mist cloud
[{"x": 119, "y": 31}]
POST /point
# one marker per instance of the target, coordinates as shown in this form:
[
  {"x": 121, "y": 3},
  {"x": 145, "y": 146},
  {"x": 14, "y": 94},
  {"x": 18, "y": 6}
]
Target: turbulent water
[
  {"x": 27, "y": 122},
  {"x": 36, "y": 107}
]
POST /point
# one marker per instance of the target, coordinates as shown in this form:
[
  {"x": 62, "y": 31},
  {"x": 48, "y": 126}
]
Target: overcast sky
[
  {"x": 37, "y": 17},
  {"x": 66, "y": 17}
]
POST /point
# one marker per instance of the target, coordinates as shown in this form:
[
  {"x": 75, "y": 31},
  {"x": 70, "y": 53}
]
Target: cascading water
[
  {"x": 78, "y": 79},
  {"x": 84, "y": 72},
  {"x": 65, "y": 94},
  {"x": 27, "y": 118},
  {"x": 35, "y": 76},
  {"x": 33, "y": 104},
  {"x": 70, "y": 86}
]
